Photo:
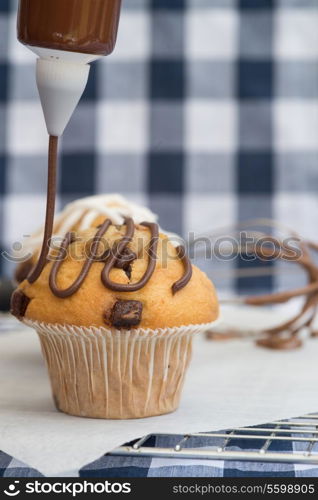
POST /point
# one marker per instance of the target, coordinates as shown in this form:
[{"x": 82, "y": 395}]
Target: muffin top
[
  {"x": 118, "y": 276},
  {"x": 82, "y": 214}
]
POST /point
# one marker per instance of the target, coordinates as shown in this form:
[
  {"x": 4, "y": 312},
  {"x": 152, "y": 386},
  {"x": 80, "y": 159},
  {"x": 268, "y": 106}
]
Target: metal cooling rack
[{"x": 302, "y": 430}]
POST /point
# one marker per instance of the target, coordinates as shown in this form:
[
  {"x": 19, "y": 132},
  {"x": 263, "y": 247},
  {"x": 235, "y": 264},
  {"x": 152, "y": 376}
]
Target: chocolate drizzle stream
[
  {"x": 114, "y": 258},
  {"x": 50, "y": 207}
]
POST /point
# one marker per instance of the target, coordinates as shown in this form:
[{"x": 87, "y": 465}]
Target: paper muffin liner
[{"x": 116, "y": 374}]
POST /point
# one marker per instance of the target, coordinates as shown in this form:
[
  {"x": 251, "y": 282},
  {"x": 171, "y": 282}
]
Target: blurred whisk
[{"x": 264, "y": 246}]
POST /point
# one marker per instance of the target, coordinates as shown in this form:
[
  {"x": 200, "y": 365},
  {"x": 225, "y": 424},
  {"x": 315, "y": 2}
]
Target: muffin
[
  {"x": 83, "y": 214},
  {"x": 116, "y": 308}
]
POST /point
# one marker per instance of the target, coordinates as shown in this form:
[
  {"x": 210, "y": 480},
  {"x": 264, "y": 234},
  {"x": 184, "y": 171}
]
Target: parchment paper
[{"x": 230, "y": 383}]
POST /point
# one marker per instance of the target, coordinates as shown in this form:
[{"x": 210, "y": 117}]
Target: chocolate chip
[
  {"x": 126, "y": 313},
  {"x": 19, "y": 303},
  {"x": 23, "y": 270}
]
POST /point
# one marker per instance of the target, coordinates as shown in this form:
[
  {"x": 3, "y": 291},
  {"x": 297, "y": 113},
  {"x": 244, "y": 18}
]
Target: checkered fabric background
[
  {"x": 112, "y": 466},
  {"x": 207, "y": 112}
]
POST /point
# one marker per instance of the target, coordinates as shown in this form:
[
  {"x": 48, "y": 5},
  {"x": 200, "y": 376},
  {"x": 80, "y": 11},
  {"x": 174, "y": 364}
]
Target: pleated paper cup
[{"x": 116, "y": 374}]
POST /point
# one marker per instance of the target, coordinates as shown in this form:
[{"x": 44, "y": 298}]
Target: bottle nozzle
[{"x": 60, "y": 84}]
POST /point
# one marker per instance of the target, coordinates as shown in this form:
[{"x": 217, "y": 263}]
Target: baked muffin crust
[{"x": 95, "y": 305}]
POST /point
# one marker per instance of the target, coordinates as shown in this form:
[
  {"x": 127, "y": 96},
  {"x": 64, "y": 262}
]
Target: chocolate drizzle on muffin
[
  {"x": 125, "y": 260},
  {"x": 181, "y": 283},
  {"x": 120, "y": 257},
  {"x": 74, "y": 287},
  {"x": 117, "y": 251}
]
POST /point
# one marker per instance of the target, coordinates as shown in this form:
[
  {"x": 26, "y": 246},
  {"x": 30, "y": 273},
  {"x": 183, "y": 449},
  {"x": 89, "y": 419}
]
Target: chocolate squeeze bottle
[{"x": 66, "y": 35}]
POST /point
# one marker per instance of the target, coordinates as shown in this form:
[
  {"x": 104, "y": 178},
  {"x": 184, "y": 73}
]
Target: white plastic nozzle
[{"x": 61, "y": 84}]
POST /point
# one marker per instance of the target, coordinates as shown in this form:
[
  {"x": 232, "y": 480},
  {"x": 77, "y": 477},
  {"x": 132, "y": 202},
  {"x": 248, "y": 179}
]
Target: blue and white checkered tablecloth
[
  {"x": 207, "y": 111},
  {"x": 114, "y": 466}
]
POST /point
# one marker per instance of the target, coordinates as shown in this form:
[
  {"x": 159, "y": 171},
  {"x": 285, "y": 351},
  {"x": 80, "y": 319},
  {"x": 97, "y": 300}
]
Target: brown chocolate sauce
[
  {"x": 85, "y": 26},
  {"x": 111, "y": 260},
  {"x": 50, "y": 208},
  {"x": 152, "y": 254},
  {"x": 69, "y": 238},
  {"x": 279, "y": 343},
  {"x": 182, "y": 282}
]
